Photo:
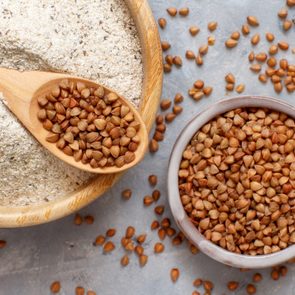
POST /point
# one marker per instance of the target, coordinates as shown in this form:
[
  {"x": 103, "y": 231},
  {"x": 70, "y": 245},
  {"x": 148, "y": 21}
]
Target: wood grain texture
[
  {"x": 151, "y": 91},
  {"x": 22, "y": 90}
]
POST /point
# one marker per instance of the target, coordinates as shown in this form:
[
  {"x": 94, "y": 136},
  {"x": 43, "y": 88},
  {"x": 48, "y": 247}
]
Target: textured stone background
[{"x": 34, "y": 257}]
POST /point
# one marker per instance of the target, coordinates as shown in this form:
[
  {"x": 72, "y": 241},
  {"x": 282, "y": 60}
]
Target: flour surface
[{"x": 94, "y": 39}]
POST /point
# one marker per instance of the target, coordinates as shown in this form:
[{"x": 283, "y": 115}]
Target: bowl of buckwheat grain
[{"x": 231, "y": 181}]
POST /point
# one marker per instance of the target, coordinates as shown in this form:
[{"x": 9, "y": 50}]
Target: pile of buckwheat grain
[
  {"x": 90, "y": 124},
  {"x": 237, "y": 180}
]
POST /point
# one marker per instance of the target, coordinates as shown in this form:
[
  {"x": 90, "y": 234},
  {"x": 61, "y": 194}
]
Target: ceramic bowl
[{"x": 180, "y": 216}]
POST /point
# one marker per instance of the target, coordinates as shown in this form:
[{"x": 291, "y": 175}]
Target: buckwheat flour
[{"x": 92, "y": 39}]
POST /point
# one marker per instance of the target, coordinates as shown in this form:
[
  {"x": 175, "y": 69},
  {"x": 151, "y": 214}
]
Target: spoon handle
[
  {"x": 25, "y": 82},
  {"x": 13, "y": 89},
  {"x": 18, "y": 88}
]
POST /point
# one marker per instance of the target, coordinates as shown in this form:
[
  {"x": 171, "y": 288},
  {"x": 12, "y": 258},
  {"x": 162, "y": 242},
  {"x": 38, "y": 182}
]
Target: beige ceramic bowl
[{"x": 180, "y": 216}]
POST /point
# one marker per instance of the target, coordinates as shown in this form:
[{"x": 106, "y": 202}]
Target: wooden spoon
[{"x": 20, "y": 92}]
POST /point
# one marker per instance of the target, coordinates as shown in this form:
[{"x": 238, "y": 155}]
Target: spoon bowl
[{"x": 21, "y": 90}]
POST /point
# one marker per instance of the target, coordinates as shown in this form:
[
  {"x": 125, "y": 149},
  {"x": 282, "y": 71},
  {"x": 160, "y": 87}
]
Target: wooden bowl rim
[{"x": 21, "y": 216}]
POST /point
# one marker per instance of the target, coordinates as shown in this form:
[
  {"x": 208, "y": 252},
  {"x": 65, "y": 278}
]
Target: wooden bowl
[{"x": 151, "y": 91}]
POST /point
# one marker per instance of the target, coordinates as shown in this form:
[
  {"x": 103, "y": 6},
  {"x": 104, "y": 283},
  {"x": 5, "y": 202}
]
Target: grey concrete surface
[{"x": 36, "y": 256}]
